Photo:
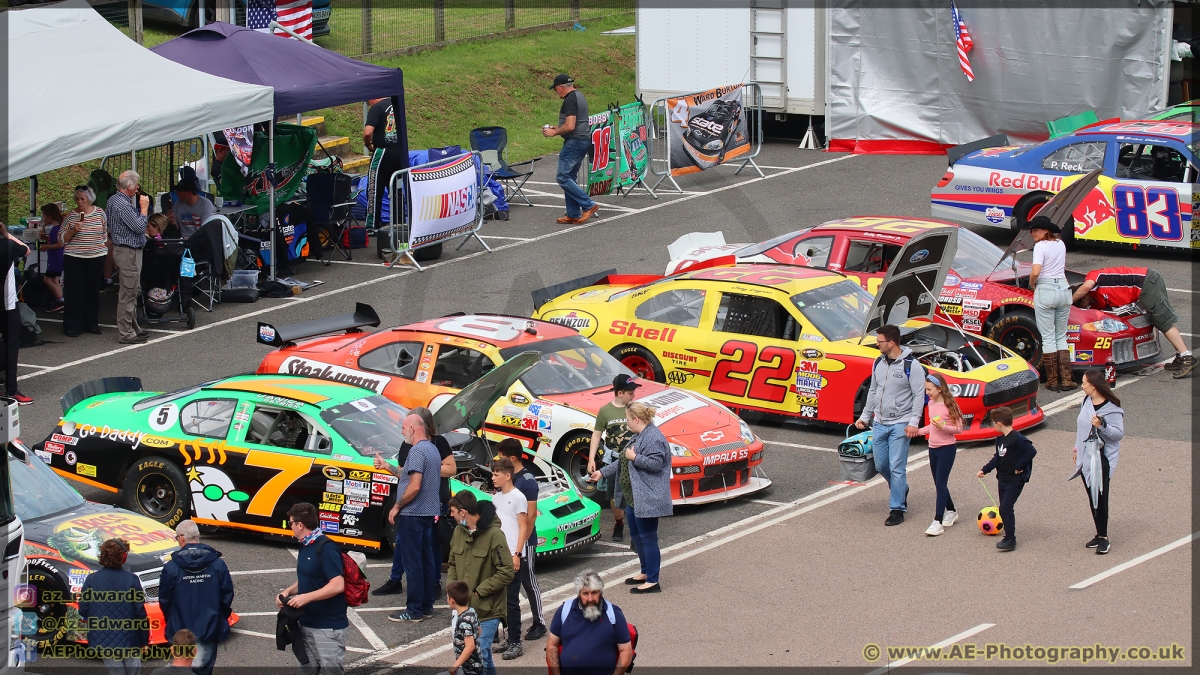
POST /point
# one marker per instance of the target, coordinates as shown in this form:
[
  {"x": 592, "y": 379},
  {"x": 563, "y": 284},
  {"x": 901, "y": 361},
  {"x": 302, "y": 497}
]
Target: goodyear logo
[{"x": 582, "y": 322}]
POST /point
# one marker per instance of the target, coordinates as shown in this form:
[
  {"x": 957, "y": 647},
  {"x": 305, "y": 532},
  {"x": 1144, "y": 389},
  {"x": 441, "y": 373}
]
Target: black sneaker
[
  {"x": 1186, "y": 366},
  {"x": 536, "y": 632},
  {"x": 1174, "y": 364},
  {"x": 514, "y": 651},
  {"x": 708, "y": 134},
  {"x": 1094, "y": 542},
  {"x": 619, "y": 531},
  {"x": 1007, "y": 544},
  {"x": 1103, "y": 547},
  {"x": 389, "y": 588},
  {"x": 499, "y": 646},
  {"x": 894, "y": 518}
]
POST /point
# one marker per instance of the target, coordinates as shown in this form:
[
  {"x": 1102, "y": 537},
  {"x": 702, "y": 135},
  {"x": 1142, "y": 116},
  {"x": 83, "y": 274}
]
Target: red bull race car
[
  {"x": 986, "y": 291},
  {"x": 1145, "y": 195}
]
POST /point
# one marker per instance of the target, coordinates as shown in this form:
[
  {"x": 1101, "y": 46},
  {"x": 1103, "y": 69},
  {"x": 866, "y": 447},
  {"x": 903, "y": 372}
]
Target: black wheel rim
[
  {"x": 156, "y": 495},
  {"x": 1021, "y": 341},
  {"x": 577, "y": 467}
]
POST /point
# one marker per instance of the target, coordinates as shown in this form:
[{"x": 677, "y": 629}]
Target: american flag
[
  {"x": 963, "y": 40},
  {"x": 296, "y": 15}
]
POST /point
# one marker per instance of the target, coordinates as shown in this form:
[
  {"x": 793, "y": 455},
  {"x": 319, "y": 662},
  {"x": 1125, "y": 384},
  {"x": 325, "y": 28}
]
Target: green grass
[{"x": 503, "y": 82}]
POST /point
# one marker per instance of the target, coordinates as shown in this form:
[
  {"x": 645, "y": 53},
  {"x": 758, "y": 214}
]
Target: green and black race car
[{"x": 239, "y": 452}]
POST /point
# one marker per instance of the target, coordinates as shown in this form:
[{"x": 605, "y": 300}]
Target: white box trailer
[{"x": 686, "y": 46}]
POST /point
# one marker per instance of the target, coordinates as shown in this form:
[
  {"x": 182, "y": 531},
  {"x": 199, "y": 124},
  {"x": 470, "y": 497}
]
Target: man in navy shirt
[
  {"x": 417, "y": 504},
  {"x": 591, "y": 633},
  {"x": 523, "y": 481},
  {"x": 319, "y": 590}
]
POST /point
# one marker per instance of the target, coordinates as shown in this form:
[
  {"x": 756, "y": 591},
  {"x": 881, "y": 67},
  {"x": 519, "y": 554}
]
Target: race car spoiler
[
  {"x": 363, "y": 315},
  {"x": 543, "y": 295},
  {"x": 106, "y": 385},
  {"x": 958, "y": 151}
]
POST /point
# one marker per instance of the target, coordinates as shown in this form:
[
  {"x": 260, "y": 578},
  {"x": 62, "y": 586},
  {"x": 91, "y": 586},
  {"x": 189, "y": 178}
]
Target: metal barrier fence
[
  {"x": 400, "y": 222},
  {"x": 660, "y": 135},
  {"x": 158, "y": 166}
]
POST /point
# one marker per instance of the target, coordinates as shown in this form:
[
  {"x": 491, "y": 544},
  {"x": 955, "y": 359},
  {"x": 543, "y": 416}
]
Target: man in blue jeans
[
  {"x": 896, "y": 400},
  {"x": 417, "y": 505},
  {"x": 577, "y": 140}
]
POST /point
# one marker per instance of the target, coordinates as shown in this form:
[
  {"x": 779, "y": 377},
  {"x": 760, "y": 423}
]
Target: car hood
[
  {"x": 680, "y": 414},
  {"x": 76, "y": 535}
]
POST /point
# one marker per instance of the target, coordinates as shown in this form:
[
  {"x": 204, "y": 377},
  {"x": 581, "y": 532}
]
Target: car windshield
[
  {"x": 38, "y": 491},
  {"x": 976, "y": 256},
  {"x": 838, "y": 311},
  {"x": 758, "y": 249},
  {"x": 568, "y": 365},
  {"x": 148, "y": 403},
  {"x": 370, "y": 425}
]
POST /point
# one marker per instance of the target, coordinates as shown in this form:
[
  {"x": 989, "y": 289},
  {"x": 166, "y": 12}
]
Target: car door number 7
[
  {"x": 291, "y": 468},
  {"x": 778, "y": 364}
]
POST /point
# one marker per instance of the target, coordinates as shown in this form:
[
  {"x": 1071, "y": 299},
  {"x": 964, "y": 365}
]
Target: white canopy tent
[{"x": 79, "y": 89}]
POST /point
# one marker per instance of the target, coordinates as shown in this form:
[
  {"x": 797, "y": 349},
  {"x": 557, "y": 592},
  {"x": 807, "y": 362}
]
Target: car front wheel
[
  {"x": 572, "y": 456},
  {"x": 641, "y": 361},
  {"x": 1018, "y": 331},
  {"x": 156, "y": 488}
]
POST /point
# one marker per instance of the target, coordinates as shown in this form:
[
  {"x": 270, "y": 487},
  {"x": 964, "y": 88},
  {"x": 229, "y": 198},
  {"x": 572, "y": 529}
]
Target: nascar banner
[
  {"x": 635, "y": 156},
  {"x": 606, "y": 155},
  {"x": 445, "y": 200},
  {"x": 706, "y": 129}
]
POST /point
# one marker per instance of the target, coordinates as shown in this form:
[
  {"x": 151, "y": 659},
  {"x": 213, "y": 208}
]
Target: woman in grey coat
[
  {"x": 644, "y": 475},
  {"x": 1102, "y": 415}
]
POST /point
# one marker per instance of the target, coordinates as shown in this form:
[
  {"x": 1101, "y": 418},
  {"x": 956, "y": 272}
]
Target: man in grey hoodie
[{"x": 896, "y": 401}]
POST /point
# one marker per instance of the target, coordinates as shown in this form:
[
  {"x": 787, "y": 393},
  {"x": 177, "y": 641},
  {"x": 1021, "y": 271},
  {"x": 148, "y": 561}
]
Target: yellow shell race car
[{"x": 793, "y": 341}]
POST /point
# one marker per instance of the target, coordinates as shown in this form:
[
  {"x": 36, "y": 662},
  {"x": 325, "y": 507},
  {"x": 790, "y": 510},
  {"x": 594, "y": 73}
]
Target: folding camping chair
[
  {"x": 492, "y": 143},
  {"x": 329, "y": 207}
]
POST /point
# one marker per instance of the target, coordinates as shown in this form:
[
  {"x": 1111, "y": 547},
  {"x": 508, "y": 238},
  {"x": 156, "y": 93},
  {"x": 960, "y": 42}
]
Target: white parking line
[
  {"x": 944, "y": 643},
  {"x": 453, "y": 261},
  {"x": 1077, "y": 398},
  {"x": 797, "y": 445},
  {"x": 768, "y": 502},
  {"x": 30, "y": 365},
  {"x": 605, "y": 555},
  {"x": 493, "y": 236},
  {"x": 255, "y": 633},
  {"x": 277, "y": 570},
  {"x": 1179, "y": 290},
  {"x": 371, "y": 637},
  {"x": 110, "y": 325},
  {"x": 1136, "y": 561}
]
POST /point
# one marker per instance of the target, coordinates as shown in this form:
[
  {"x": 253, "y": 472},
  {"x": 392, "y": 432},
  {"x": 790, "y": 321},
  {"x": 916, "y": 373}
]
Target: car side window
[
  {"x": 680, "y": 307},
  {"x": 1079, "y": 157},
  {"x": 752, "y": 315},
  {"x": 457, "y": 367},
  {"x": 396, "y": 358},
  {"x": 208, "y": 417},
  {"x": 1151, "y": 162},
  {"x": 1184, "y": 117},
  {"x": 869, "y": 257},
  {"x": 813, "y": 252},
  {"x": 287, "y": 429}
]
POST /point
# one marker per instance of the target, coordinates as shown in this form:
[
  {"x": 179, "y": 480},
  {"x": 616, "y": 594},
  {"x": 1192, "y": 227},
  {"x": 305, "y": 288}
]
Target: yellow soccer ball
[{"x": 989, "y": 520}]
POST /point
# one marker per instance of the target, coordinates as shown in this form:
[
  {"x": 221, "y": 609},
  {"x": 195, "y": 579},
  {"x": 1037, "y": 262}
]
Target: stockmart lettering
[{"x": 1097, "y": 653}]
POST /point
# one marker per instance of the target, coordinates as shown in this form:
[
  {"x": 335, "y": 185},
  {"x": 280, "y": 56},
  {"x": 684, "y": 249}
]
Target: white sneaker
[
  {"x": 949, "y": 518},
  {"x": 935, "y": 529}
]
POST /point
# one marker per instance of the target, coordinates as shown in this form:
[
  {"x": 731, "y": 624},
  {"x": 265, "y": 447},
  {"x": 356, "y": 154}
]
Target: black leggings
[
  {"x": 84, "y": 278},
  {"x": 1100, "y": 510},
  {"x": 941, "y": 461}
]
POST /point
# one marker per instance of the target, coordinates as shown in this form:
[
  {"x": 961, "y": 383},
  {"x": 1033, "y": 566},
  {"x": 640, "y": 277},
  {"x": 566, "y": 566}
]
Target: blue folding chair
[{"x": 492, "y": 143}]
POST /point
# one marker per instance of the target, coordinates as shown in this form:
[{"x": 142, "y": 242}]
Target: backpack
[
  {"x": 358, "y": 588},
  {"x": 907, "y": 372},
  {"x": 565, "y": 611}
]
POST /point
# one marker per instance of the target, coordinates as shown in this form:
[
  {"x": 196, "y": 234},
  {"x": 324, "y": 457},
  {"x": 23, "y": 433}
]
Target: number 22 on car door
[{"x": 754, "y": 340}]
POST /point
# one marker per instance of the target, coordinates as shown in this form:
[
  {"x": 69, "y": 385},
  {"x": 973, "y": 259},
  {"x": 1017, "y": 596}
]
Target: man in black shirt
[
  {"x": 382, "y": 138},
  {"x": 576, "y": 134}
]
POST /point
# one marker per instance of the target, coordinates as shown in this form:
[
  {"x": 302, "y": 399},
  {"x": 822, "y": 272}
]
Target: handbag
[
  {"x": 1092, "y": 448},
  {"x": 187, "y": 264},
  {"x": 859, "y": 445}
]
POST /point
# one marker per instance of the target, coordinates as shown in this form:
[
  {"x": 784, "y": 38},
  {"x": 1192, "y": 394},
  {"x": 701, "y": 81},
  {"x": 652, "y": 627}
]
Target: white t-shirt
[
  {"x": 509, "y": 507},
  {"x": 10, "y": 290},
  {"x": 1052, "y": 256}
]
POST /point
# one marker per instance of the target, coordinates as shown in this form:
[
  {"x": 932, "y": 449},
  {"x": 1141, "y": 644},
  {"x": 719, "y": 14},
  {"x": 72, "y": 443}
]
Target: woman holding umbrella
[
  {"x": 1051, "y": 300},
  {"x": 1099, "y": 430}
]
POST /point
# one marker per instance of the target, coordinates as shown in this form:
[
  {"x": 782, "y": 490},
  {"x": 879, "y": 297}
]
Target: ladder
[{"x": 768, "y": 51}]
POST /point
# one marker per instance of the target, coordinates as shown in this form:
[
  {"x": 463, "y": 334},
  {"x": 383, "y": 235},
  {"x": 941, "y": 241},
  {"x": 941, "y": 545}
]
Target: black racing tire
[
  {"x": 51, "y": 607},
  {"x": 156, "y": 488},
  {"x": 1028, "y": 207},
  {"x": 641, "y": 361},
  {"x": 572, "y": 456},
  {"x": 860, "y": 399},
  {"x": 428, "y": 253},
  {"x": 1018, "y": 331}
]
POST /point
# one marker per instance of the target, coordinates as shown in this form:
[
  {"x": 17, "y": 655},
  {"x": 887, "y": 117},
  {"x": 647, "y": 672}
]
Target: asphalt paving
[{"x": 725, "y": 551}]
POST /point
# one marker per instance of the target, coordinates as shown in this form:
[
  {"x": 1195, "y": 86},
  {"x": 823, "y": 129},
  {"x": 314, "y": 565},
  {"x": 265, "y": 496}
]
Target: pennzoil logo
[{"x": 583, "y": 323}]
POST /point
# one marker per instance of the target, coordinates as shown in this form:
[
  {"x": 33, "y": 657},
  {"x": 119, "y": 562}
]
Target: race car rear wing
[
  {"x": 958, "y": 151},
  {"x": 363, "y": 315},
  {"x": 106, "y": 385},
  {"x": 543, "y": 295}
]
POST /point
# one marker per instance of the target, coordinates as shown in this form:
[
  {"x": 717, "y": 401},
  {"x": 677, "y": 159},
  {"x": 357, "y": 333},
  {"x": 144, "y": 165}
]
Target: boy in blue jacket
[{"x": 1013, "y": 463}]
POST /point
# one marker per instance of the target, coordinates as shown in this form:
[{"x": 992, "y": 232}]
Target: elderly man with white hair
[
  {"x": 127, "y": 214},
  {"x": 196, "y": 592},
  {"x": 589, "y": 635}
]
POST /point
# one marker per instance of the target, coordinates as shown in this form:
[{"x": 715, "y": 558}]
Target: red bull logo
[
  {"x": 1024, "y": 181},
  {"x": 1093, "y": 210}
]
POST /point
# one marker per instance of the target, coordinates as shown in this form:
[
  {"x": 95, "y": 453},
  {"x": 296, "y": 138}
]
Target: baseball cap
[
  {"x": 624, "y": 383},
  {"x": 562, "y": 78}
]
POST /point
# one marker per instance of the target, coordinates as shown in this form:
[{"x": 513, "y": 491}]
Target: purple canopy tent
[{"x": 304, "y": 76}]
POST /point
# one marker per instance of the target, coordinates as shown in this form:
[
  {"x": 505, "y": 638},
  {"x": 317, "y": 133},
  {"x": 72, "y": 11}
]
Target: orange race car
[{"x": 551, "y": 410}]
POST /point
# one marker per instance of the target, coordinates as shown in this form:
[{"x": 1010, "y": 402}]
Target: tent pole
[
  {"x": 33, "y": 188},
  {"x": 271, "y": 192}
]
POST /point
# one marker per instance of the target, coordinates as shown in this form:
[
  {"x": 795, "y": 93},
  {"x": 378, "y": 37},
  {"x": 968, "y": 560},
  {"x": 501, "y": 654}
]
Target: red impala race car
[
  {"x": 551, "y": 410},
  {"x": 980, "y": 293}
]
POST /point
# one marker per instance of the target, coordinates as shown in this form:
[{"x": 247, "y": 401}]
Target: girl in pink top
[{"x": 945, "y": 420}]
